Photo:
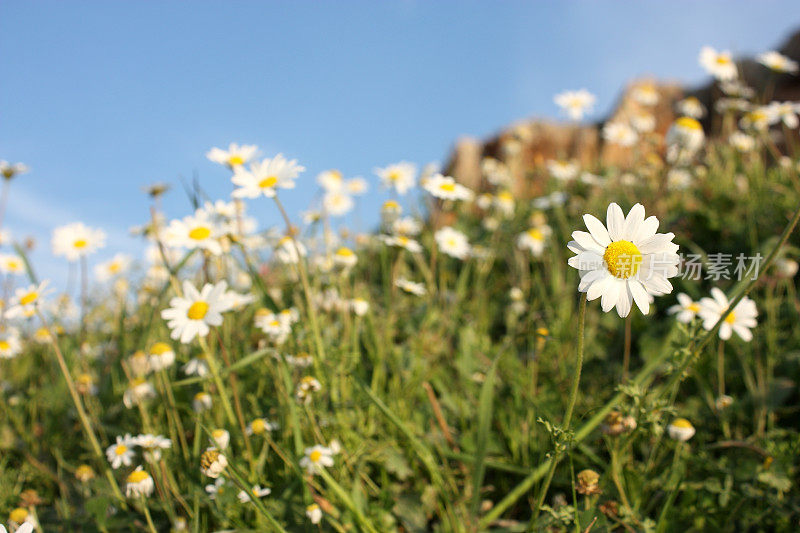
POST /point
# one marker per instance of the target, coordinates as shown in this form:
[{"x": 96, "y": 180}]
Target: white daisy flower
[
  {"x": 452, "y": 242},
  {"x": 504, "y": 202},
  {"x": 220, "y": 438},
  {"x": 356, "y": 186},
  {"x": 112, "y": 268},
  {"x": 289, "y": 251},
  {"x": 575, "y": 103},
  {"x": 742, "y": 141},
  {"x": 11, "y": 264},
  {"x": 121, "y": 453},
  {"x": 201, "y": 402},
  {"x": 619, "y": 133},
  {"x": 197, "y": 366},
  {"x": 411, "y": 287},
  {"x": 277, "y": 328},
  {"x": 691, "y": 107},
  {"x": 26, "y": 299},
  {"x": 235, "y": 156},
  {"x": 138, "y": 484},
  {"x": 307, "y": 386},
  {"x": 265, "y": 177},
  {"x": 534, "y": 240},
  {"x": 563, "y": 170},
  {"x": 10, "y": 344},
  {"x": 625, "y": 263},
  {"x": 137, "y": 392},
  {"x": 446, "y": 188},
  {"x": 646, "y": 94},
  {"x": 643, "y": 122},
  {"x": 9, "y": 170},
  {"x": 685, "y": 310},
  {"x": 161, "y": 356},
  {"x": 741, "y": 320},
  {"x": 259, "y": 426},
  {"x": 194, "y": 231},
  {"x": 152, "y": 445},
  {"x": 216, "y": 488},
  {"x": 316, "y": 458},
  {"x": 255, "y": 492},
  {"x": 401, "y": 176},
  {"x": 684, "y": 138},
  {"x": 345, "y": 257},
  {"x": 314, "y": 513},
  {"x": 785, "y": 112},
  {"x": 778, "y": 62},
  {"x": 331, "y": 180},
  {"x": 408, "y": 226},
  {"x": 496, "y": 172},
  {"x": 681, "y": 430},
  {"x": 359, "y": 306},
  {"x": 76, "y": 240},
  {"x": 337, "y": 203},
  {"x": 401, "y": 241},
  {"x": 190, "y": 315},
  {"x": 213, "y": 463},
  {"x": 718, "y": 64}
]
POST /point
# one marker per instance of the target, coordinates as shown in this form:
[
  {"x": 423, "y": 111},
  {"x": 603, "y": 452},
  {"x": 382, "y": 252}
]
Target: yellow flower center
[
  {"x": 4, "y": 346},
  {"x": 29, "y": 298},
  {"x": 121, "y": 449},
  {"x": 197, "y": 311},
  {"x": 268, "y": 182},
  {"x": 114, "y": 267},
  {"x": 137, "y": 476},
  {"x": 258, "y": 426},
  {"x": 681, "y": 423},
  {"x": 218, "y": 433},
  {"x": 160, "y": 348},
  {"x": 315, "y": 456},
  {"x": 344, "y": 252},
  {"x": 18, "y": 515},
  {"x": 394, "y": 175},
  {"x": 731, "y": 318},
  {"x": 80, "y": 243},
  {"x": 689, "y": 123},
  {"x": 723, "y": 60},
  {"x": 390, "y": 205},
  {"x": 235, "y": 160},
  {"x": 448, "y": 187},
  {"x": 536, "y": 234},
  {"x": 200, "y": 233},
  {"x": 693, "y": 307},
  {"x": 622, "y": 258}
]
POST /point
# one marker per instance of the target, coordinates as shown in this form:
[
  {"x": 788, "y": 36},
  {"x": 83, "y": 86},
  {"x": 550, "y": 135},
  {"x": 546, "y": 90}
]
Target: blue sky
[{"x": 101, "y": 98}]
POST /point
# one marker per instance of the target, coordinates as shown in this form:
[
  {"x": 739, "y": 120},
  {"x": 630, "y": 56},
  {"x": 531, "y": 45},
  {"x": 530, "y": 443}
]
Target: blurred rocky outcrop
[{"x": 527, "y": 145}]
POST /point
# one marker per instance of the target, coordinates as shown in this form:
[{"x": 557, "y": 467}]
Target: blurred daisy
[
  {"x": 785, "y": 112},
  {"x": 345, "y": 257},
  {"x": 446, "y": 188},
  {"x": 741, "y": 141},
  {"x": 112, "y": 268},
  {"x": 684, "y": 138},
  {"x": 197, "y": 366},
  {"x": 234, "y": 156},
  {"x": 681, "y": 430},
  {"x": 202, "y": 402},
  {"x": 9, "y": 170},
  {"x": 646, "y": 94},
  {"x": 452, "y": 242},
  {"x": 330, "y": 180},
  {"x": 619, "y": 133},
  {"x": 139, "y": 390},
  {"x": 152, "y": 445},
  {"x": 76, "y": 240},
  {"x": 643, "y": 122},
  {"x": 691, "y": 107},
  {"x": 273, "y": 325},
  {"x": 685, "y": 310},
  {"x": 314, "y": 513},
  {"x": 259, "y": 426},
  {"x": 504, "y": 202},
  {"x": 191, "y": 315},
  {"x": 411, "y": 287},
  {"x": 401, "y": 176},
  {"x": 307, "y": 386},
  {"x": 265, "y": 177},
  {"x": 628, "y": 262},
  {"x": 337, "y": 203},
  {"x": 575, "y": 103},
  {"x": 401, "y": 241},
  {"x": 220, "y": 438},
  {"x": 534, "y": 240},
  {"x": 408, "y": 226},
  {"x": 255, "y": 492},
  {"x": 10, "y": 344},
  {"x": 25, "y": 300},
  {"x": 139, "y": 484},
  {"x": 359, "y": 306},
  {"x": 740, "y": 320},
  {"x": 356, "y": 186},
  {"x": 121, "y": 453},
  {"x": 161, "y": 356},
  {"x": 194, "y": 231},
  {"x": 778, "y": 62},
  {"x": 289, "y": 251},
  {"x": 20, "y": 520},
  {"x": 718, "y": 64},
  {"x": 316, "y": 459},
  {"x": 11, "y": 264},
  {"x": 563, "y": 170},
  {"x": 216, "y": 488}
]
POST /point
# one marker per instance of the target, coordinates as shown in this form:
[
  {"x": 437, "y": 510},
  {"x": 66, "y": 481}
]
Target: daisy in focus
[
  {"x": 121, "y": 453},
  {"x": 316, "y": 459},
  {"x": 625, "y": 262},
  {"x": 740, "y": 320},
  {"x": 190, "y": 315}
]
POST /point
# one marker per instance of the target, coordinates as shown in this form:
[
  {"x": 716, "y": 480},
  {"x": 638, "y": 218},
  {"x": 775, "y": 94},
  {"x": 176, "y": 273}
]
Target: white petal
[
  {"x": 624, "y": 301},
  {"x": 646, "y": 231},
  {"x": 586, "y": 240},
  {"x": 615, "y": 220},
  {"x": 597, "y": 229},
  {"x": 611, "y": 290},
  {"x": 640, "y": 296}
]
